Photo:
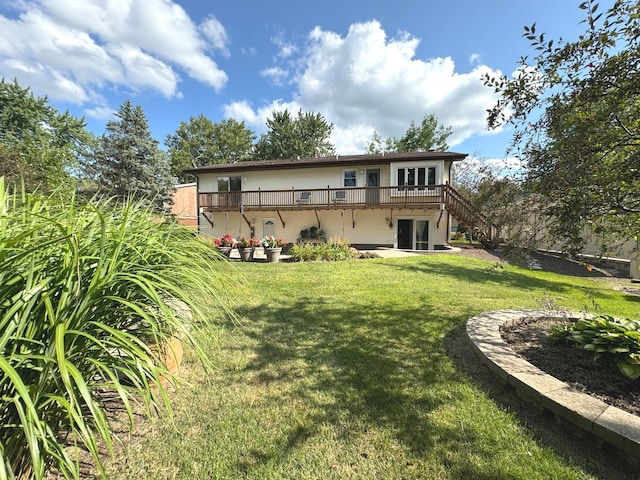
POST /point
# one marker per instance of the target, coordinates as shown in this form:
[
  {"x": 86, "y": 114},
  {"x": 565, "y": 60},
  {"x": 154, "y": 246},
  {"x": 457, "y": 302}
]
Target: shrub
[
  {"x": 304, "y": 252},
  {"x": 605, "y": 335},
  {"x": 333, "y": 250},
  {"x": 88, "y": 296}
]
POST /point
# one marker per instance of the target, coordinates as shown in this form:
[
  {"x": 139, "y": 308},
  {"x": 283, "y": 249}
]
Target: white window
[
  {"x": 416, "y": 176},
  {"x": 349, "y": 178}
]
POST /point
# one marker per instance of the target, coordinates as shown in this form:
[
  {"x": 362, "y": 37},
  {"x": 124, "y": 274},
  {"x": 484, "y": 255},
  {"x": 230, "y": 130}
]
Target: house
[{"x": 400, "y": 200}]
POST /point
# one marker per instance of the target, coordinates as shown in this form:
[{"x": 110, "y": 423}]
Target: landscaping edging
[{"x": 611, "y": 424}]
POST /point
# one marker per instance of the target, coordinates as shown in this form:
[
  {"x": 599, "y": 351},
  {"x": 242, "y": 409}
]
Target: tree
[
  {"x": 39, "y": 146},
  {"x": 201, "y": 142},
  {"x": 418, "y": 138},
  {"x": 129, "y": 163},
  {"x": 379, "y": 145},
  {"x": 426, "y": 136},
  {"x": 307, "y": 135},
  {"x": 582, "y": 151},
  {"x": 467, "y": 176},
  {"x": 499, "y": 198}
]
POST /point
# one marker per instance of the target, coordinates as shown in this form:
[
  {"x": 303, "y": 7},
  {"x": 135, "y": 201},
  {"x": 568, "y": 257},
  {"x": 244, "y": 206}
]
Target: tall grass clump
[
  {"x": 88, "y": 295},
  {"x": 334, "y": 249}
]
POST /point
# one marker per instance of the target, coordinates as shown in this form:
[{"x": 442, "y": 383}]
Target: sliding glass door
[{"x": 413, "y": 234}]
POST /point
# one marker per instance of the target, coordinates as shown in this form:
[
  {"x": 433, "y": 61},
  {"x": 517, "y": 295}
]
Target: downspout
[
  {"x": 448, "y": 214},
  {"x": 448, "y": 227},
  {"x": 198, "y": 202},
  {"x": 444, "y": 203}
]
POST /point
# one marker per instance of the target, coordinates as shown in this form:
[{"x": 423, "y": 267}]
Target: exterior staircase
[{"x": 462, "y": 210}]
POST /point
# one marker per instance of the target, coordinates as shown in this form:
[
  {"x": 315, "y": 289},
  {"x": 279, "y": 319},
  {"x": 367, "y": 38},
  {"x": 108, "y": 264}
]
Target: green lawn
[{"x": 341, "y": 370}]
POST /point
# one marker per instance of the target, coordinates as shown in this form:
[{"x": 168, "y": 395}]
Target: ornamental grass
[{"x": 89, "y": 293}]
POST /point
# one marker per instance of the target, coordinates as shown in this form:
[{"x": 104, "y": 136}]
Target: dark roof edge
[{"x": 288, "y": 163}]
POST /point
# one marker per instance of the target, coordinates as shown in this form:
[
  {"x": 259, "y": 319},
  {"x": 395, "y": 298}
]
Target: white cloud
[
  {"x": 101, "y": 113},
  {"x": 215, "y": 32},
  {"x": 276, "y": 74},
  {"x": 242, "y": 111},
  {"x": 475, "y": 59},
  {"x": 138, "y": 67},
  {"x": 43, "y": 80},
  {"x": 286, "y": 49},
  {"x": 475, "y": 169},
  {"x": 117, "y": 43},
  {"x": 509, "y": 167},
  {"x": 251, "y": 51},
  {"x": 257, "y": 119},
  {"x": 365, "y": 81},
  {"x": 350, "y": 138}
]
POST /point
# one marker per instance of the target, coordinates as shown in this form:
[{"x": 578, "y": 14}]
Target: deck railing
[
  {"x": 293, "y": 199},
  {"x": 463, "y": 211},
  {"x": 424, "y": 196}
]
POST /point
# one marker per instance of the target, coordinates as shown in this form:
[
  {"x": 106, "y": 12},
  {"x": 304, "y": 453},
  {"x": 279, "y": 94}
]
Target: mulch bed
[
  {"x": 572, "y": 365},
  {"x": 568, "y": 363}
]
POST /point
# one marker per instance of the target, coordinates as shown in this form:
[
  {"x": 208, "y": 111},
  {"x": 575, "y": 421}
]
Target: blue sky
[{"x": 366, "y": 66}]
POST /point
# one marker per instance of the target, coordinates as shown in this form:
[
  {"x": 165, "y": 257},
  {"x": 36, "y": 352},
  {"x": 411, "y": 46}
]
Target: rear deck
[{"x": 441, "y": 197}]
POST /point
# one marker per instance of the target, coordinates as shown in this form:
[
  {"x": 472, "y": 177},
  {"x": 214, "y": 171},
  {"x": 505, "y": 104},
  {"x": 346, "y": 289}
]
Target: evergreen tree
[{"x": 129, "y": 163}]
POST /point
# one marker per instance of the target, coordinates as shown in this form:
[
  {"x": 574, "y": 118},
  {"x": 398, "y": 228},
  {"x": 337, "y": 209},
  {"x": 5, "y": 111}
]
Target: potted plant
[
  {"x": 272, "y": 247},
  {"x": 225, "y": 244},
  {"x": 312, "y": 234},
  {"x": 246, "y": 246}
]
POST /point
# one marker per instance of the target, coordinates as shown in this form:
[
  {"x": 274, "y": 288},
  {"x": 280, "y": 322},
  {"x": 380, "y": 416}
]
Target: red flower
[{"x": 226, "y": 240}]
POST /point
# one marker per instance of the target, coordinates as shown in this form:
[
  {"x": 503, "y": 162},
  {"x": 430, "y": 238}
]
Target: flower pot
[
  {"x": 170, "y": 356},
  {"x": 224, "y": 251},
  {"x": 246, "y": 254},
  {"x": 273, "y": 254}
]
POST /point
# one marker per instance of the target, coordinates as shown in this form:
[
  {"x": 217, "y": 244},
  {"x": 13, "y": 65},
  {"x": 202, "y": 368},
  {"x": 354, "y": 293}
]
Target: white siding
[
  {"x": 355, "y": 226},
  {"x": 308, "y": 178},
  {"x": 359, "y": 226}
]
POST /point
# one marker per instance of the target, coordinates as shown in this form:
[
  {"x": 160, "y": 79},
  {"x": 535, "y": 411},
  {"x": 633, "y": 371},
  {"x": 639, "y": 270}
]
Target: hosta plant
[
  {"x": 88, "y": 295},
  {"x": 605, "y": 335}
]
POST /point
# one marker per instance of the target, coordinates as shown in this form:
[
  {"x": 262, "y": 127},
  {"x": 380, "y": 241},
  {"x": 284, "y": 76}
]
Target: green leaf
[
  {"x": 78, "y": 283},
  {"x": 627, "y": 369}
]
